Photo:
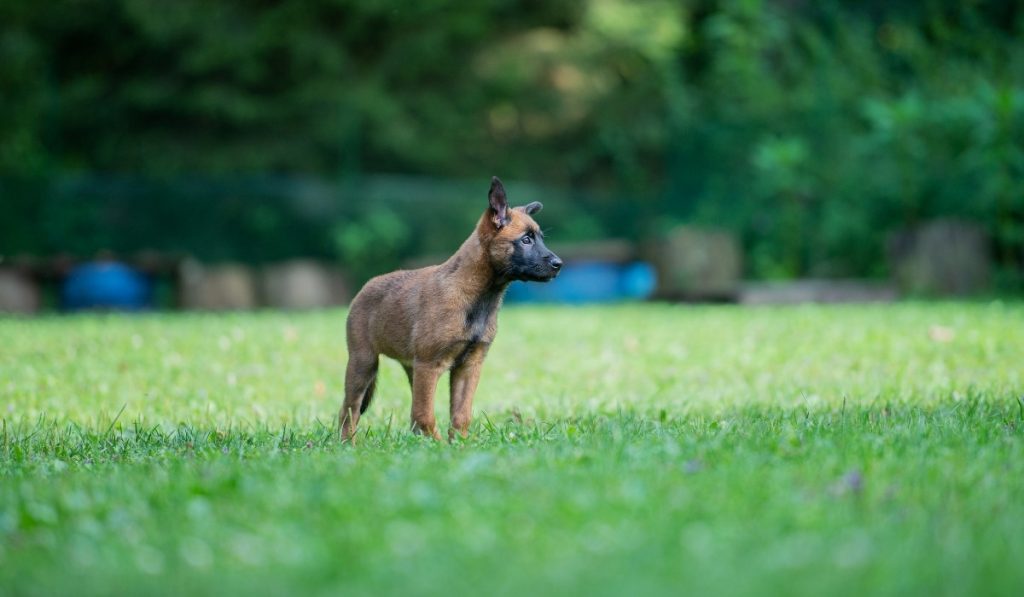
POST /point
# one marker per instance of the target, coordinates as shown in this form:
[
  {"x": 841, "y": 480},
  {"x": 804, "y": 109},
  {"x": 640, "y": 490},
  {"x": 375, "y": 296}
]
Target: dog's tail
[{"x": 368, "y": 396}]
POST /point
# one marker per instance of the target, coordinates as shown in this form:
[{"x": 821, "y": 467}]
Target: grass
[{"x": 616, "y": 450}]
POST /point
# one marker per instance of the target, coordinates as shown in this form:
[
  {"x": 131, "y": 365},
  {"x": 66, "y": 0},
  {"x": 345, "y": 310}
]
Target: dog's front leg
[
  {"x": 424, "y": 384},
  {"x": 464, "y": 379}
]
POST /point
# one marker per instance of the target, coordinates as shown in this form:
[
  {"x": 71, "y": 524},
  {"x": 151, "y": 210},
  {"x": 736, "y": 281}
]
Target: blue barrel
[
  {"x": 106, "y": 285},
  {"x": 590, "y": 282},
  {"x": 638, "y": 280}
]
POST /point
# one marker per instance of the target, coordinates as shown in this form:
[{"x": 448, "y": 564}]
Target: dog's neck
[{"x": 472, "y": 267}]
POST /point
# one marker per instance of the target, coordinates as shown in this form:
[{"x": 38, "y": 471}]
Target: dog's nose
[{"x": 556, "y": 262}]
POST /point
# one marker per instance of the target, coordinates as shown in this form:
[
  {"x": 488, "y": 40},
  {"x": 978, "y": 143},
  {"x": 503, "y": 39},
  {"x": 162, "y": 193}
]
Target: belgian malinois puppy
[{"x": 443, "y": 317}]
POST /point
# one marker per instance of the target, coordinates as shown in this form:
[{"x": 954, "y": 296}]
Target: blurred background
[{"x": 232, "y": 154}]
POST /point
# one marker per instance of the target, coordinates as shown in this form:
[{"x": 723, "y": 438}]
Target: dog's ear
[
  {"x": 531, "y": 208},
  {"x": 499, "y": 203}
]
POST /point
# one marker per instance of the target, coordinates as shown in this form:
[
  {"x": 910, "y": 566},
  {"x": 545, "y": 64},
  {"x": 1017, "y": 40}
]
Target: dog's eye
[{"x": 526, "y": 240}]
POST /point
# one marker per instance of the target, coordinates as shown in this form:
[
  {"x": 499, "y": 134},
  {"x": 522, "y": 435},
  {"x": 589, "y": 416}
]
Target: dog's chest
[{"x": 480, "y": 316}]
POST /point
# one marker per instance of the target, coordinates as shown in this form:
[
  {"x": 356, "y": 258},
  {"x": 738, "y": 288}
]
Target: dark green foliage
[{"x": 813, "y": 129}]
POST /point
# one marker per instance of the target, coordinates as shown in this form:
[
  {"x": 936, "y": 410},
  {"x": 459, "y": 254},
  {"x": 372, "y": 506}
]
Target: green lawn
[{"x": 615, "y": 450}]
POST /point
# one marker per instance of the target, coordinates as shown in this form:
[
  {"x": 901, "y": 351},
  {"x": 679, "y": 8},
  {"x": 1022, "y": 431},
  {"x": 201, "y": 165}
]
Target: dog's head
[{"x": 514, "y": 241}]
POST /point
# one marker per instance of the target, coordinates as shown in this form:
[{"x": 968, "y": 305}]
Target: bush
[{"x": 812, "y": 129}]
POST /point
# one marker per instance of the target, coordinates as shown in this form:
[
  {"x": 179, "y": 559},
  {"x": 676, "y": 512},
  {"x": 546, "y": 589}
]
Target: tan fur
[{"x": 432, "y": 320}]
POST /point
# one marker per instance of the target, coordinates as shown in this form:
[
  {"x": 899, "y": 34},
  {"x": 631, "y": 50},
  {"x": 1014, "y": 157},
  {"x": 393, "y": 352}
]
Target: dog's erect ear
[
  {"x": 499, "y": 203},
  {"x": 531, "y": 208}
]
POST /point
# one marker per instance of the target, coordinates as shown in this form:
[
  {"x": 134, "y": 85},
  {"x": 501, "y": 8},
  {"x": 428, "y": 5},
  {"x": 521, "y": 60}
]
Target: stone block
[
  {"x": 19, "y": 293},
  {"x": 303, "y": 284},
  {"x": 697, "y": 264},
  {"x": 223, "y": 287},
  {"x": 942, "y": 258}
]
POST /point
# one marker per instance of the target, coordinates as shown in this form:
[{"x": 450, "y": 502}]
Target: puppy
[{"x": 444, "y": 317}]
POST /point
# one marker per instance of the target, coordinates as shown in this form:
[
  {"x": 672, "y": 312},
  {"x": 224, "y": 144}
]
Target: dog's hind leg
[{"x": 360, "y": 383}]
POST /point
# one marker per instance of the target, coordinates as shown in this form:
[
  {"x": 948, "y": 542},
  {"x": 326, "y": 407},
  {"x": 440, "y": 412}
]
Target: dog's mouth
[
  {"x": 545, "y": 276},
  {"x": 536, "y": 273}
]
